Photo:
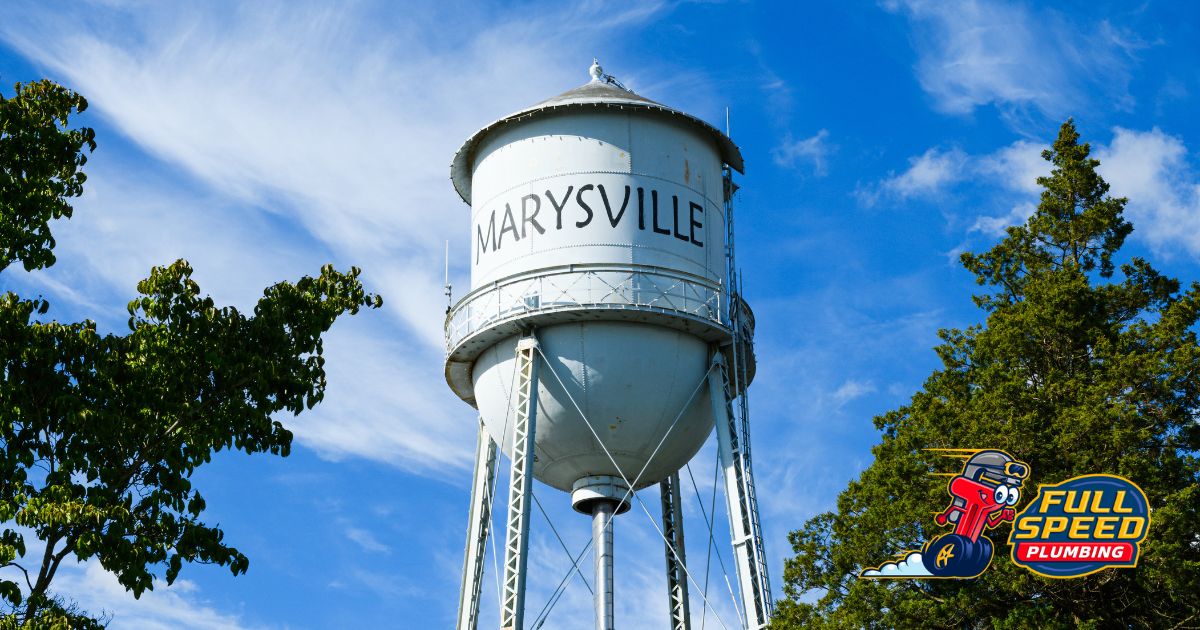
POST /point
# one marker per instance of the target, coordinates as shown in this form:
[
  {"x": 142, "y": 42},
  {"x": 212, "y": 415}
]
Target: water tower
[{"x": 603, "y": 337}]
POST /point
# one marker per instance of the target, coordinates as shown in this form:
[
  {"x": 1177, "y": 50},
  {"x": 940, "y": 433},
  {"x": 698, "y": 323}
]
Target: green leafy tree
[
  {"x": 100, "y": 433},
  {"x": 1075, "y": 371}
]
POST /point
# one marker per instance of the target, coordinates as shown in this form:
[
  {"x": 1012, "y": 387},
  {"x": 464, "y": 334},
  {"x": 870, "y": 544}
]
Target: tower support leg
[
  {"x": 516, "y": 547},
  {"x": 602, "y": 542},
  {"x": 483, "y": 490},
  {"x": 743, "y": 518},
  {"x": 677, "y": 588}
]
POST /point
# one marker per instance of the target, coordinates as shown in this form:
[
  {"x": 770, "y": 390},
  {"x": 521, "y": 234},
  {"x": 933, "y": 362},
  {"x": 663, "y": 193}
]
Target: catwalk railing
[{"x": 588, "y": 288}]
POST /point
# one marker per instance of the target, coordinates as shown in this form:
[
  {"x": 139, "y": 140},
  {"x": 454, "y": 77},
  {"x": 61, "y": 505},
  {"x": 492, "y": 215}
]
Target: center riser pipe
[{"x": 602, "y": 541}]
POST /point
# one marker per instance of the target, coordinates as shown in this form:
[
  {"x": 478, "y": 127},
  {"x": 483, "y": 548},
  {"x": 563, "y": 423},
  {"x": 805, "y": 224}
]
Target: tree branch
[{"x": 23, "y": 570}]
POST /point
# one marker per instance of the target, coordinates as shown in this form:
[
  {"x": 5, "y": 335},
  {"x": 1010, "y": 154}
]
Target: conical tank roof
[{"x": 603, "y": 91}]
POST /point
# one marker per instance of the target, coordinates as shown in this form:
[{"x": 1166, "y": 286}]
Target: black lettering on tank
[
  {"x": 583, "y": 204},
  {"x": 527, "y": 218},
  {"x": 507, "y": 224},
  {"x": 675, "y": 211},
  {"x": 692, "y": 208},
  {"x": 607, "y": 208},
  {"x": 482, "y": 240},
  {"x": 654, "y": 213},
  {"x": 641, "y": 208},
  {"x": 558, "y": 208},
  {"x": 531, "y": 206}
]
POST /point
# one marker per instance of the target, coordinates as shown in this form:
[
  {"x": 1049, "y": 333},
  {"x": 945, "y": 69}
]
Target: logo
[
  {"x": 1070, "y": 529},
  {"x": 1081, "y": 526},
  {"x": 982, "y": 496}
]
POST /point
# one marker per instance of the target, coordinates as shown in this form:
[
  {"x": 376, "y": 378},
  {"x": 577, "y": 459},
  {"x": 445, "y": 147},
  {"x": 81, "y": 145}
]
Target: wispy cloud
[
  {"x": 366, "y": 540},
  {"x": 980, "y": 52},
  {"x": 385, "y": 404},
  {"x": 130, "y": 219},
  {"x": 812, "y": 151}
]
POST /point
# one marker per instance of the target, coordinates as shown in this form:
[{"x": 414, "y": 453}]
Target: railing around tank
[{"x": 586, "y": 287}]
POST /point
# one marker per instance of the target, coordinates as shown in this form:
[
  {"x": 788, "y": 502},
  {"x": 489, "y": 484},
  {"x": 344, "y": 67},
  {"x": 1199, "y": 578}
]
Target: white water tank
[{"x": 597, "y": 221}]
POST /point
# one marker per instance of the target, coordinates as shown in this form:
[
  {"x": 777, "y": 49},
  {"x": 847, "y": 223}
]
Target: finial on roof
[{"x": 596, "y": 71}]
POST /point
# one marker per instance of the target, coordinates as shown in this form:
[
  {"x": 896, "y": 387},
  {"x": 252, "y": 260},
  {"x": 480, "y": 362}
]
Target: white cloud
[
  {"x": 1150, "y": 168},
  {"x": 812, "y": 151},
  {"x": 1017, "y": 166},
  {"x": 176, "y": 607},
  {"x": 927, "y": 175},
  {"x": 910, "y": 566},
  {"x": 852, "y": 389},
  {"x": 366, "y": 540},
  {"x": 976, "y": 53},
  {"x": 127, "y": 222},
  {"x": 995, "y": 226},
  {"x": 385, "y": 403}
]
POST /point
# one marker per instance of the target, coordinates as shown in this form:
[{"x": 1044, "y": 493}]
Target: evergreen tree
[{"x": 1075, "y": 372}]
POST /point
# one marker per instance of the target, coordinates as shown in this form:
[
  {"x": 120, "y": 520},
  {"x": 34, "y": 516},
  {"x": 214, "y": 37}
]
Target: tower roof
[{"x": 603, "y": 91}]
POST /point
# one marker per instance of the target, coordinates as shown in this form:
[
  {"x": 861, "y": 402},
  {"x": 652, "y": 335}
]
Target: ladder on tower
[
  {"x": 752, "y": 503},
  {"x": 744, "y": 528},
  {"x": 752, "y": 564},
  {"x": 741, "y": 345}
]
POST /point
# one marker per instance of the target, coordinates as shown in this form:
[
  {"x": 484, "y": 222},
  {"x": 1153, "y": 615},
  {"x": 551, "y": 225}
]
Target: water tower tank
[{"x": 597, "y": 220}]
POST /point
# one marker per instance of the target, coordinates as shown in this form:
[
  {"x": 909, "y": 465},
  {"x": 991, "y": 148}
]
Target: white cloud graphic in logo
[{"x": 910, "y": 566}]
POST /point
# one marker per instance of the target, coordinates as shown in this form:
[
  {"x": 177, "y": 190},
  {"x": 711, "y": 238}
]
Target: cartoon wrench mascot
[{"x": 984, "y": 496}]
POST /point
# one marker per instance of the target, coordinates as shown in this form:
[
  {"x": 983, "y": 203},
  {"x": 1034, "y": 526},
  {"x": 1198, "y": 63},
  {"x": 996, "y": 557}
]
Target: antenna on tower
[
  {"x": 727, "y": 122},
  {"x": 449, "y": 289}
]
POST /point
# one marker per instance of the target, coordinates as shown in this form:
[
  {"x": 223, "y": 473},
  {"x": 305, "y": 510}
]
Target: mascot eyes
[
  {"x": 1014, "y": 495},
  {"x": 1001, "y": 494}
]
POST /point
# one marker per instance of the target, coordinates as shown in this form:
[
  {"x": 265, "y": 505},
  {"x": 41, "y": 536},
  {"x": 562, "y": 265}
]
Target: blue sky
[{"x": 260, "y": 141}]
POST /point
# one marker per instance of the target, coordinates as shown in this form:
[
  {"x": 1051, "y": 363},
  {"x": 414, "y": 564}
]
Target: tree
[
  {"x": 100, "y": 433},
  {"x": 1074, "y": 372}
]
